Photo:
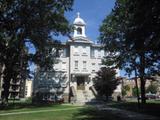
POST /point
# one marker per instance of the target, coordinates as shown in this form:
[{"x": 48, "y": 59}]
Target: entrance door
[{"x": 80, "y": 83}]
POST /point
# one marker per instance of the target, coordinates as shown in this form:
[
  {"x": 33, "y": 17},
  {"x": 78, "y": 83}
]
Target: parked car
[{"x": 151, "y": 96}]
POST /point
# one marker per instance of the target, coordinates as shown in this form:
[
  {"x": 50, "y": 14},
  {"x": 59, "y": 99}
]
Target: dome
[{"x": 78, "y": 20}]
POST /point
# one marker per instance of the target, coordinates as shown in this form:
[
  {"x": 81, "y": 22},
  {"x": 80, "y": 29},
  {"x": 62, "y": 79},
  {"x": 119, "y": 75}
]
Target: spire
[{"x": 78, "y": 15}]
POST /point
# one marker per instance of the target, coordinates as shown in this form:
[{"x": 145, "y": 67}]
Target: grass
[
  {"x": 64, "y": 115},
  {"x": 72, "y": 112},
  {"x": 85, "y": 113},
  {"x": 152, "y": 107},
  {"x": 49, "y": 115},
  {"x": 91, "y": 113},
  {"x": 22, "y": 107}
]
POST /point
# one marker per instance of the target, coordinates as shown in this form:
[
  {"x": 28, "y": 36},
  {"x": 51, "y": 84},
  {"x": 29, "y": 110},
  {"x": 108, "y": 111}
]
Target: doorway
[{"x": 80, "y": 83}]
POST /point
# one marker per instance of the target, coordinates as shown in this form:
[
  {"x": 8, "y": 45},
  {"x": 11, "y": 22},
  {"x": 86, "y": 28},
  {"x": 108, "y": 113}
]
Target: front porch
[
  {"x": 80, "y": 81},
  {"x": 80, "y": 88}
]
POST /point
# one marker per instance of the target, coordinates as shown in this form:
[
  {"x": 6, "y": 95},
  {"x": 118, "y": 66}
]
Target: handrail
[{"x": 92, "y": 88}]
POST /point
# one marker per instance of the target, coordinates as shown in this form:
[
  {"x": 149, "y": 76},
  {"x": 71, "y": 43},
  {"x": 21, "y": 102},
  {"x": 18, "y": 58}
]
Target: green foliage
[
  {"x": 28, "y": 100},
  {"x": 125, "y": 89},
  {"x": 134, "y": 91},
  {"x": 131, "y": 36},
  {"x": 29, "y": 21},
  {"x": 152, "y": 88},
  {"x": 106, "y": 81}
]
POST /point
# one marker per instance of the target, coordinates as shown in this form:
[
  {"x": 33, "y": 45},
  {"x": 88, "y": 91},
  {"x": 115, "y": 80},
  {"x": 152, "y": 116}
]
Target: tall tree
[
  {"x": 106, "y": 81},
  {"x": 131, "y": 35},
  {"x": 34, "y": 21}
]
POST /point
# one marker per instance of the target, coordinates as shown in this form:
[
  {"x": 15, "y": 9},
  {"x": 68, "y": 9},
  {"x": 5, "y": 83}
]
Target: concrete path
[
  {"x": 126, "y": 115},
  {"x": 38, "y": 111}
]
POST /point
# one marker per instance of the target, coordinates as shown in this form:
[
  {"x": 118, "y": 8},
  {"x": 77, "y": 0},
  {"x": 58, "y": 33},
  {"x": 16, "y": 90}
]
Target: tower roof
[{"x": 78, "y": 20}]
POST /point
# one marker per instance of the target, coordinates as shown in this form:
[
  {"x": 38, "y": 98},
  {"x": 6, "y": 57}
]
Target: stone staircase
[
  {"x": 80, "y": 97},
  {"x": 84, "y": 96}
]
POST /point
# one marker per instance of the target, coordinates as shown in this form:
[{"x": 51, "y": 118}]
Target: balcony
[
  {"x": 84, "y": 70},
  {"x": 15, "y": 83},
  {"x": 84, "y": 54},
  {"x": 14, "y": 90},
  {"x": 12, "y": 97},
  {"x": 76, "y": 70},
  {"x": 75, "y": 54}
]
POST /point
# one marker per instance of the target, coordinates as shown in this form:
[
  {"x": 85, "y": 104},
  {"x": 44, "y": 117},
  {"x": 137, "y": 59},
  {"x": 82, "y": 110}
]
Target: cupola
[{"x": 79, "y": 27}]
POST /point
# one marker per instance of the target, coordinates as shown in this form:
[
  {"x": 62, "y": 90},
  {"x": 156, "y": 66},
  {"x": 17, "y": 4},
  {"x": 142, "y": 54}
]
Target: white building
[
  {"x": 28, "y": 88},
  {"x": 79, "y": 61}
]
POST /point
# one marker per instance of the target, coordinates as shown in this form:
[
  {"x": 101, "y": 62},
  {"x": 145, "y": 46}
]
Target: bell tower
[{"x": 79, "y": 27}]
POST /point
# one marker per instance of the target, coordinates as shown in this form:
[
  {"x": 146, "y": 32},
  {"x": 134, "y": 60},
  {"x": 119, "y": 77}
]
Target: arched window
[{"x": 79, "y": 31}]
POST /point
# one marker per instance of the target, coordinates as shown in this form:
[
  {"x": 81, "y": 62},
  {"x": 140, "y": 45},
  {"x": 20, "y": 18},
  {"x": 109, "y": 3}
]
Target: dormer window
[{"x": 79, "y": 31}]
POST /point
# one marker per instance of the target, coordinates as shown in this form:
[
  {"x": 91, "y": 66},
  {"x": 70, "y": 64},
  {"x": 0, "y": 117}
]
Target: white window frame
[
  {"x": 84, "y": 65},
  {"x": 76, "y": 64}
]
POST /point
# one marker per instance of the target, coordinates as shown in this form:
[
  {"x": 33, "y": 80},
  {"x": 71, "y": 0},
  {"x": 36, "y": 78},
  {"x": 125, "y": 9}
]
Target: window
[
  {"x": 57, "y": 53},
  {"x": 76, "y": 50},
  {"x": 79, "y": 31},
  {"x": 84, "y": 50},
  {"x": 93, "y": 64},
  {"x": 26, "y": 90},
  {"x": 64, "y": 65},
  {"x": 92, "y": 53},
  {"x": 99, "y": 53},
  {"x": 76, "y": 65},
  {"x": 64, "y": 53},
  {"x": 99, "y": 64},
  {"x": 84, "y": 65}
]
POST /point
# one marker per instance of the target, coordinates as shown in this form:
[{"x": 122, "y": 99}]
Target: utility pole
[{"x": 69, "y": 77}]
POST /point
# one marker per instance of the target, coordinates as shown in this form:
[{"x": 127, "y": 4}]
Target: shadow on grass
[
  {"x": 148, "y": 108},
  {"x": 91, "y": 113}
]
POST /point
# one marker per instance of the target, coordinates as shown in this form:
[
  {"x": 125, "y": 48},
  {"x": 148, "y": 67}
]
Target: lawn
[
  {"x": 71, "y": 112},
  {"x": 50, "y": 112},
  {"x": 60, "y": 115},
  {"x": 22, "y": 107},
  {"x": 59, "y": 112}
]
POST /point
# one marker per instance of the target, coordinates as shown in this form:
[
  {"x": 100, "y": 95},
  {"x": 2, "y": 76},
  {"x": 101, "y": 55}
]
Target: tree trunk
[
  {"x": 143, "y": 97},
  {"x": 107, "y": 98},
  {"x": 5, "y": 92},
  {"x": 137, "y": 89},
  {"x": 142, "y": 73}
]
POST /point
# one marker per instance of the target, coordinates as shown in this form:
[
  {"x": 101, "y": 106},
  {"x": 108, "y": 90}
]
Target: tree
[
  {"x": 134, "y": 91},
  {"x": 106, "y": 82},
  {"x": 129, "y": 34},
  {"x": 125, "y": 89},
  {"x": 152, "y": 88},
  {"x": 32, "y": 21}
]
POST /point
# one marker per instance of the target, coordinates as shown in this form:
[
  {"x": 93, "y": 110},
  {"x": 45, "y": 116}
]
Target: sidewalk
[{"x": 126, "y": 115}]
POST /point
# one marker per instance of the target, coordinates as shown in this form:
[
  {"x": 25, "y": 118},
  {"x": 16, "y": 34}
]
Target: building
[
  {"x": 16, "y": 88},
  {"x": 131, "y": 84},
  {"x": 79, "y": 61},
  {"x": 1, "y": 78},
  {"x": 28, "y": 88}
]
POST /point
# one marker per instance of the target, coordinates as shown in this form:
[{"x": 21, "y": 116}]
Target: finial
[{"x": 78, "y": 14}]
